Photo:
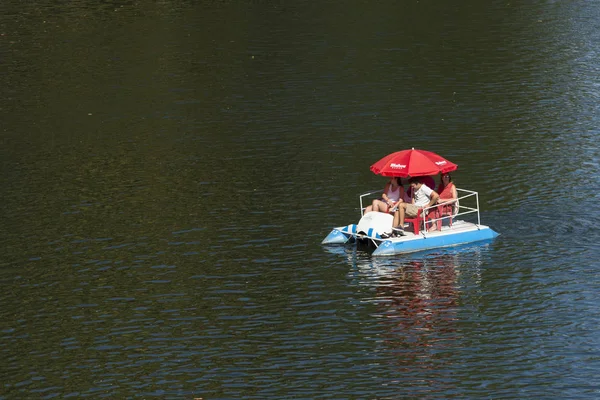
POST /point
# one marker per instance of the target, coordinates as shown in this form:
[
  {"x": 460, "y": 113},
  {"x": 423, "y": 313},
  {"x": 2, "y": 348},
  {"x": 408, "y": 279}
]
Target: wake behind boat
[{"x": 430, "y": 228}]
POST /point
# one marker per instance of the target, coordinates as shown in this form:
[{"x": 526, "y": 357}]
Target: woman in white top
[{"x": 393, "y": 193}]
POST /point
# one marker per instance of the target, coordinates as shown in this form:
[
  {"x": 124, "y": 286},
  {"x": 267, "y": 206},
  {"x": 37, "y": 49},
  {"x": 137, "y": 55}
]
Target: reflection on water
[{"x": 418, "y": 300}]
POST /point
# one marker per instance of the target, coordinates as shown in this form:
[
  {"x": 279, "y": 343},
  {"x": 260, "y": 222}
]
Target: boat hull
[
  {"x": 337, "y": 236},
  {"x": 453, "y": 237},
  {"x": 460, "y": 233}
]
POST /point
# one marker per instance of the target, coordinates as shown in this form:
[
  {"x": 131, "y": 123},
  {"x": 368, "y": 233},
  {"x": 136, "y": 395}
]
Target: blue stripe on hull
[
  {"x": 391, "y": 247},
  {"x": 350, "y": 228}
]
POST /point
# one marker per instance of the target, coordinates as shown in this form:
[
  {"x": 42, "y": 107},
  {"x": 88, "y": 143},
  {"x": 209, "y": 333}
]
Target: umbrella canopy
[{"x": 412, "y": 162}]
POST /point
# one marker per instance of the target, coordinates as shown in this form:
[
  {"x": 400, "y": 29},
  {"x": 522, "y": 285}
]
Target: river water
[{"x": 170, "y": 168}]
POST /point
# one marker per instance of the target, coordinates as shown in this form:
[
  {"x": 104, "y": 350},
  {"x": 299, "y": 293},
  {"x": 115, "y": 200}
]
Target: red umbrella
[{"x": 412, "y": 162}]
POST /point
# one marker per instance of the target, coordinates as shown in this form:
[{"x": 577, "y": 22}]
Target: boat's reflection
[{"x": 417, "y": 301}]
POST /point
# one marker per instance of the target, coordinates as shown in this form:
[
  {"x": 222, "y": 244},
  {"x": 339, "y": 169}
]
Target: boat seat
[
  {"x": 417, "y": 221},
  {"x": 446, "y": 210}
]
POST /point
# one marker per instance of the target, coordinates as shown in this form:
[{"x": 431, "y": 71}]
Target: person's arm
[
  {"x": 384, "y": 196},
  {"x": 394, "y": 205},
  {"x": 433, "y": 198},
  {"x": 401, "y": 198}
]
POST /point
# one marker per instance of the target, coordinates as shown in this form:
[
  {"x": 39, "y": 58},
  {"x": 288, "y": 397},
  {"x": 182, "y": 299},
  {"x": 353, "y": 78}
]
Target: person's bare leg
[
  {"x": 373, "y": 207},
  {"x": 376, "y": 205},
  {"x": 401, "y": 217},
  {"x": 434, "y": 214},
  {"x": 398, "y": 224}
]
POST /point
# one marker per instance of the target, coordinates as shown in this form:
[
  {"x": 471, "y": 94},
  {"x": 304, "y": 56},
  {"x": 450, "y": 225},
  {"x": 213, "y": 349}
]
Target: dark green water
[{"x": 169, "y": 170}]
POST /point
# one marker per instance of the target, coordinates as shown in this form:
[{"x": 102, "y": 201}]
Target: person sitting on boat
[
  {"x": 448, "y": 194},
  {"x": 423, "y": 197},
  {"x": 393, "y": 193},
  {"x": 427, "y": 181}
]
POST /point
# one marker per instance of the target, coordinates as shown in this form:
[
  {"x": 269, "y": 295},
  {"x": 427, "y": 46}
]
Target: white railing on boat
[
  {"x": 362, "y": 209},
  {"x": 462, "y": 209}
]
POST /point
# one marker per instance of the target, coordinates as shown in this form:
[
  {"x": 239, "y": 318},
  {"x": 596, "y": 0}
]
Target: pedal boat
[{"x": 462, "y": 227}]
